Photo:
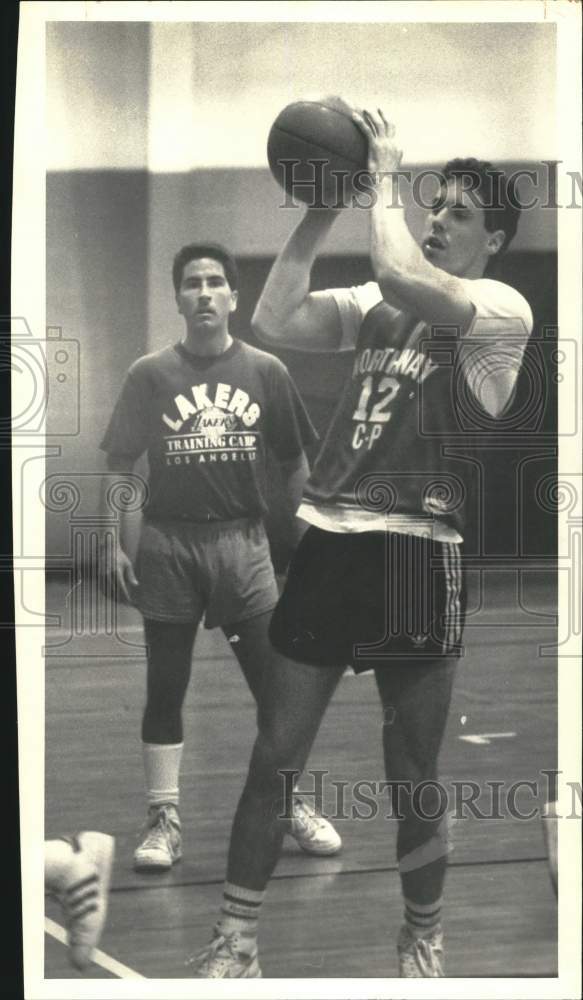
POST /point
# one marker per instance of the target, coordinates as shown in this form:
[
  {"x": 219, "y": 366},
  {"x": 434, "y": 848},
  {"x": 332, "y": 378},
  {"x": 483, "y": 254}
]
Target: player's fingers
[
  {"x": 372, "y": 123},
  {"x": 362, "y": 123},
  {"x": 389, "y": 127}
]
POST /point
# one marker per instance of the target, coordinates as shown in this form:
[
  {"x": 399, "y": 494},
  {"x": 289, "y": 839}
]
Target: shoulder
[
  {"x": 359, "y": 297},
  {"x": 497, "y": 300},
  {"x": 263, "y": 361},
  {"x": 149, "y": 364}
]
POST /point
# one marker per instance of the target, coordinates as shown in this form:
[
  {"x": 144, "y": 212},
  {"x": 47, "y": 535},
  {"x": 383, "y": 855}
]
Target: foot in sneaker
[
  {"x": 226, "y": 957},
  {"x": 420, "y": 958},
  {"x": 313, "y": 833},
  {"x": 83, "y": 893},
  {"x": 162, "y": 843}
]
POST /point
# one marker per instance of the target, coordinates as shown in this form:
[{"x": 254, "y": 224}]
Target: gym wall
[{"x": 132, "y": 108}]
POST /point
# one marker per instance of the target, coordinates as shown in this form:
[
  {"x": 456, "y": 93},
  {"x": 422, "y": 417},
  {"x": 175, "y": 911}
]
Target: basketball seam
[
  {"x": 332, "y": 152},
  {"x": 334, "y": 111}
]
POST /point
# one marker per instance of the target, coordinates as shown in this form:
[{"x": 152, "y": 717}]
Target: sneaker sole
[
  {"x": 154, "y": 866},
  {"x": 322, "y": 852}
]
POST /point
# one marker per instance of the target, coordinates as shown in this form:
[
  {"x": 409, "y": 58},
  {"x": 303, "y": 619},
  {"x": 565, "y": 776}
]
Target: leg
[
  {"x": 169, "y": 665},
  {"x": 314, "y": 834},
  {"x": 250, "y": 643},
  {"x": 416, "y": 701},
  {"x": 294, "y": 700},
  {"x": 170, "y": 647},
  {"x": 257, "y": 657}
]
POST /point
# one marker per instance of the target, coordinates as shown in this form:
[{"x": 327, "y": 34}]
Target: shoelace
[
  {"x": 159, "y": 830},
  {"x": 210, "y": 954},
  {"x": 306, "y": 815},
  {"x": 422, "y": 954}
]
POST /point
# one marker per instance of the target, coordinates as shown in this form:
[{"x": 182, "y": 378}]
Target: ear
[
  {"x": 495, "y": 242},
  {"x": 177, "y": 300},
  {"x": 234, "y": 299}
]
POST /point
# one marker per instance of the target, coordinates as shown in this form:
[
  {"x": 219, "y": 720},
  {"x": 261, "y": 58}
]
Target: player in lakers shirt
[
  {"x": 206, "y": 411},
  {"x": 377, "y": 580}
]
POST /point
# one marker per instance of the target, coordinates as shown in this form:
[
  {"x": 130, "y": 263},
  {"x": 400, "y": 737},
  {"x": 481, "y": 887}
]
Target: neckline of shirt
[{"x": 206, "y": 360}]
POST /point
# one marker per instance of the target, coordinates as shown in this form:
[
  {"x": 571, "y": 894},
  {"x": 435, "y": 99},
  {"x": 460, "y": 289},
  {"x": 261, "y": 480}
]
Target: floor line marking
[
  {"x": 99, "y": 957},
  {"x": 483, "y": 738},
  {"x": 339, "y": 873}
]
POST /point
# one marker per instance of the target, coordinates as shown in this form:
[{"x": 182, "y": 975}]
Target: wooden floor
[{"x": 335, "y": 917}]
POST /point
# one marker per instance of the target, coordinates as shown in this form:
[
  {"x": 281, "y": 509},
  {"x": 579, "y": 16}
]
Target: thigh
[
  {"x": 416, "y": 696},
  {"x": 241, "y": 574},
  {"x": 294, "y": 699},
  {"x": 170, "y": 586},
  {"x": 250, "y": 643},
  {"x": 318, "y": 618},
  {"x": 169, "y": 651}
]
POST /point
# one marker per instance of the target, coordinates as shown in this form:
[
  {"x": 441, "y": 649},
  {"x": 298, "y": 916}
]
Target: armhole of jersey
[{"x": 362, "y": 303}]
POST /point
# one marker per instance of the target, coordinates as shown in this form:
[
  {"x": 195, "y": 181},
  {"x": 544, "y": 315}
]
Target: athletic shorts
[
  {"x": 221, "y": 570},
  {"x": 370, "y": 599}
]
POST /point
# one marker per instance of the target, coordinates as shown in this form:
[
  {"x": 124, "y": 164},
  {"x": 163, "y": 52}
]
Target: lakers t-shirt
[{"x": 207, "y": 424}]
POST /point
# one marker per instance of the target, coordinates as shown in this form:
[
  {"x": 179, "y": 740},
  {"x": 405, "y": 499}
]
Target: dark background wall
[
  {"x": 156, "y": 136},
  {"x": 110, "y": 240}
]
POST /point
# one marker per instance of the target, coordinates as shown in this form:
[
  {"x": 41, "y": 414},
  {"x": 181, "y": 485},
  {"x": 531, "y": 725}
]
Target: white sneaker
[
  {"x": 224, "y": 958},
  {"x": 313, "y": 833},
  {"x": 162, "y": 844},
  {"x": 83, "y": 893},
  {"x": 420, "y": 958}
]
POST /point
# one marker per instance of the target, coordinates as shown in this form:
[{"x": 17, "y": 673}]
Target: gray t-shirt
[{"x": 206, "y": 424}]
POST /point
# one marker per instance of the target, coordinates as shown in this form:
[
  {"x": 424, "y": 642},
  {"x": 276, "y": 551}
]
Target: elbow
[
  {"x": 391, "y": 277},
  {"x": 258, "y": 327},
  {"x": 392, "y": 281},
  {"x": 267, "y": 327},
  {"x": 262, "y": 327}
]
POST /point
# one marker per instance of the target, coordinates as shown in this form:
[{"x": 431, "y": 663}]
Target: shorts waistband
[{"x": 206, "y": 529}]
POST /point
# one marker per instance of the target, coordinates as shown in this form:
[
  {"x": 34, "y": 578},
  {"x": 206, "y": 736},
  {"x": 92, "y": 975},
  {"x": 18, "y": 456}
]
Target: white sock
[
  {"x": 240, "y": 911},
  {"x": 162, "y": 769},
  {"x": 423, "y": 919}
]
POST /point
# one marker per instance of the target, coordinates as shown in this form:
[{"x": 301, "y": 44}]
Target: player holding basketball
[
  {"x": 206, "y": 410},
  {"x": 377, "y": 580}
]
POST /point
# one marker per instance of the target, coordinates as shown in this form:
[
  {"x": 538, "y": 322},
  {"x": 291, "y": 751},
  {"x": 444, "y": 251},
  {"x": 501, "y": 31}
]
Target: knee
[{"x": 271, "y": 770}]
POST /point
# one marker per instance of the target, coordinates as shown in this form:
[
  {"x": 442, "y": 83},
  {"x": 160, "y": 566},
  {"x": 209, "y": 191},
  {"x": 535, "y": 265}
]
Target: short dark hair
[
  {"x": 194, "y": 251},
  {"x": 495, "y": 192}
]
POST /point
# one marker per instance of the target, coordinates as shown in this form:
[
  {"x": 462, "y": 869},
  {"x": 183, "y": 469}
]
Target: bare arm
[
  {"x": 115, "y": 569},
  {"x": 406, "y": 279},
  {"x": 294, "y": 475},
  {"x": 287, "y": 313}
]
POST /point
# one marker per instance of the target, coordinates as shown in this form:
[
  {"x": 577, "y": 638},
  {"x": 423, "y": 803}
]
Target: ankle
[{"x": 170, "y": 808}]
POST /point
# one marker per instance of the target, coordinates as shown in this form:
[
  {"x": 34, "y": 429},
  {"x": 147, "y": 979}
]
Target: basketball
[{"x": 330, "y": 149}]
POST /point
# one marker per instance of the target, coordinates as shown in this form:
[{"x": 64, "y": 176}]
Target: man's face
[
  {"x": 205, "y": 298},
  {"x": 455, "y": 237}
]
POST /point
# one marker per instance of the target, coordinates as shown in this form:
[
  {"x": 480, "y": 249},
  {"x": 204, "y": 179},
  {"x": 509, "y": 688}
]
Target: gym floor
[{"x": 335, "y": 917}]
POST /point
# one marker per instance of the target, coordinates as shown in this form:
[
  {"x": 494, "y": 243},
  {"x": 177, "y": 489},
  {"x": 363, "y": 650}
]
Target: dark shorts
[
  {"x": 370, "y": 599},
  {"x": 221, "y": 570}
]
